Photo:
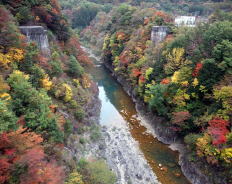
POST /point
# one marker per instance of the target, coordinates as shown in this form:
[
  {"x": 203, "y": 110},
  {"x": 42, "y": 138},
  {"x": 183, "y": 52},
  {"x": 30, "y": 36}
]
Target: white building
[{"x": 189, "y": 21}]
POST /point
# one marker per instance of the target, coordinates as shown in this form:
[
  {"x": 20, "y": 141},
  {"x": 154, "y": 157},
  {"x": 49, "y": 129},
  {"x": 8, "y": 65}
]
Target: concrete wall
[
  {"x": 159, "y": 33},
  {"x": 38, "y": 35}
]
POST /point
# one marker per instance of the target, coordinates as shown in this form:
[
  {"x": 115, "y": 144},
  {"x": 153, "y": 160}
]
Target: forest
[{"x": 46, "y": 102}]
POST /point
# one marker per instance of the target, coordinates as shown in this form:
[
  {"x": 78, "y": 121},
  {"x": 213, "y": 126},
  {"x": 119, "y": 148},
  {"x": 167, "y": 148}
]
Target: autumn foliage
[
  {"x": 180, "y": 117},
  {"x": 73, "y": 47},
  {"x": 165, "y": 81},
  {"x": 218, "y": 130},
  {"x": 163, "y": 15},
  {"x": 24, "y": 148},
  {"x": 197, "y": 69},
  {"x": 39, "y": 169},
  {"x": 136, "y": 72}
]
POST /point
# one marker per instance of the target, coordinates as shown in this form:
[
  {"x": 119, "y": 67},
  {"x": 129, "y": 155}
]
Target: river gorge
[{"x": 133, "y": 152}]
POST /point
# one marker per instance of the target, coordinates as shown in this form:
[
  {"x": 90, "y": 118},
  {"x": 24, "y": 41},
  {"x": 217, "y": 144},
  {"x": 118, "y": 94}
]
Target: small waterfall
[
  {"x": 159, "y": 33},
  {"x": 38, "y": 35}
]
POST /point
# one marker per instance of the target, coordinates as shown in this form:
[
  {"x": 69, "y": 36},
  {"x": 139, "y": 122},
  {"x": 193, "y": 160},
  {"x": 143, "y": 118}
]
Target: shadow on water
[{"x": 116, "y": 104}]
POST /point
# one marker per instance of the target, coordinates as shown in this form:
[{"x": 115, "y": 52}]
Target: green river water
[{"x": 117, "y": 105}]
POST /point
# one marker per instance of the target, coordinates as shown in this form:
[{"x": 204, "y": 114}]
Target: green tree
[
  {"x": 210, "y": 74},
  {"x": 158, "y": 101},
  {"x": 222, "y": 53},
  {"x": 55, "y": 63},
  {"x": 75, "y": 69}
]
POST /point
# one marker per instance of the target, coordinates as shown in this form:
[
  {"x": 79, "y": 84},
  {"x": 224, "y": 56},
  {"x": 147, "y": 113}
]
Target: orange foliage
[
  {"x": 163, "y": 15},
  {"x": 86, "y": 81},
  {"x": 197, "y": 69},
  {"x": 12, "y": 146},
  {"x": 142, "y": 79},
  {"x": 74, "y": 48},
  {"x": 20, "y": 140},
  {"x": 136, "y": 72},
  {"x": 43, "y": 61},
  {"x": 53, "y": 108},
  {"x": 42, "y": 13},
  {"x": 120, "y": 36},
  {"x": 56, "y": 7},
  {"x": 124, "y": 58},
  {"x": 165, "y": 81}
]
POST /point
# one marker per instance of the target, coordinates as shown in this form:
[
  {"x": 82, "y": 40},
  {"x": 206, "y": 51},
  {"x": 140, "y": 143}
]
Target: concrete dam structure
[
  {"x": 38, "y": 35},
  {"x": 159, "y": 33}
]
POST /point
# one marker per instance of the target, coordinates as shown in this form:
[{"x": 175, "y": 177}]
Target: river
[{"x": 132, "y": 150}]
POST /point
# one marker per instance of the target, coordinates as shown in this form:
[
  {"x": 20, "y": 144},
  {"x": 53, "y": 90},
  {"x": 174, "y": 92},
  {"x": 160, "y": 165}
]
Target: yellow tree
[
  {"x": 46, "y": 83},
  {"x": 176, "y": 60},
  {"x": 13, "y": 55}
]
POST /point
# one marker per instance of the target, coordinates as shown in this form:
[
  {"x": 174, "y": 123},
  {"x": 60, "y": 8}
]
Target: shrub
[
  {"x": 74, "y": 178},
  {"x": 46, "y": 83},
  {"x": 82, "y": 163},
  {"x": 100, "y": 173},
  {"x": 79, "y": 114},
  {"x": 68, "y": 128},
  {"x": 191, "y": 140},
  {"x": 95, "y": 133},
  {"x": 64, "y": 91},
  {"x": 82, "y": 140},
  {"x": 73, "y": 104}
]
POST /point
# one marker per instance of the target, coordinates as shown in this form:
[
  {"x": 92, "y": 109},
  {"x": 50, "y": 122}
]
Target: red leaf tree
[
  {"x": 135, "y": 72},
  {"x": 218, "y": 130},
  {"x": 179, "y": 117},
  {"x": 197, "y": 69},
  {"x": 39, "y": 170},
  {"x": 4, "y": 170}
]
